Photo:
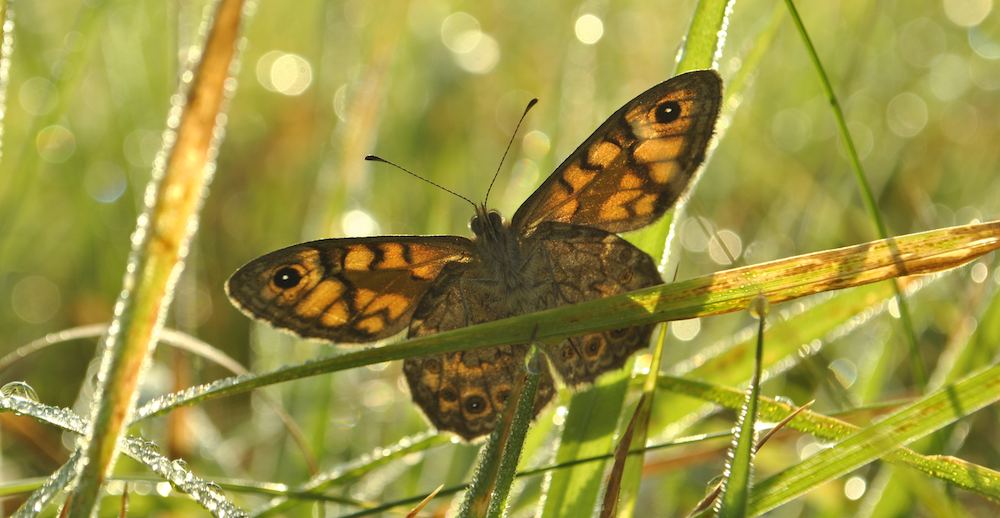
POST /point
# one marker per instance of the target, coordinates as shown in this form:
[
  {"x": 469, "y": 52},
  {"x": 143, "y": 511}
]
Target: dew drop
[{"x": 19, "y": 389}]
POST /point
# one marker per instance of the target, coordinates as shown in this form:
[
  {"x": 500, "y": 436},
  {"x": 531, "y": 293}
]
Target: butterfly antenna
[
  {"x": 511, "y": 143},
  {"x": 373, "y": 158}
]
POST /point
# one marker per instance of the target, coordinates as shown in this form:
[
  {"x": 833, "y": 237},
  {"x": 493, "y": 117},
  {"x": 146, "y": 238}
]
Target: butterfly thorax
[{"x": 505, "y": 269}]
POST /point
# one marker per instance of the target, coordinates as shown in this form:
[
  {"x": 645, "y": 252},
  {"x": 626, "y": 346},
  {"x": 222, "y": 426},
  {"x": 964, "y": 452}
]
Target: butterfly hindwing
[
  {"x": 594, "y": 264},
  {"x": 463, "y": 392},
  {"x": 344, "y": 290},
  {"x": 637, "y": 164}
]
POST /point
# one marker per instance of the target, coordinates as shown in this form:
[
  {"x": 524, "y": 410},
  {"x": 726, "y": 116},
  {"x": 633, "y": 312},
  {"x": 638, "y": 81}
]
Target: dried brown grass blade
[
  {"x": 424, "y": 502},
  {"x": 610, "y": 506}
]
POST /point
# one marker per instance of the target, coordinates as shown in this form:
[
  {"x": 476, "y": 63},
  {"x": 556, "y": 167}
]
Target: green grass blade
[
  {"x": 739, "y": 477},
  {"x": 487, "y": 496},
  {"x": 177, "y": 473},
  {"x": 590, "y": 428},
  {"x": 21, "y": 486},
  {"x": 703, "y": 39},
  {"x": 349, "y": 473},
  {"x": 845, "y": 136},
  {"x": 790, "y": 341},
  {"x": 864, "y": 187},
  {"x": 515, "y": 442},
  {"x": 924, "y": 417},
  {"x": 981, "y": 347},
  {"x": 978, "y": 479},
  {"x": 722, "y": 292},
  {"x": 700, "y": 46},
  {"x": 632, "y": 474}
]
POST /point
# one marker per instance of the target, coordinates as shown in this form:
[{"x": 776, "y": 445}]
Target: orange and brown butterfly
[{"x": 559, "y": 248}]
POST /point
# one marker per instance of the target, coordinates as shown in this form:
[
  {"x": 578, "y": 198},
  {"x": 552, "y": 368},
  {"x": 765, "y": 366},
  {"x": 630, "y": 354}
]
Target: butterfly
[{"x": 559, "y": 248}]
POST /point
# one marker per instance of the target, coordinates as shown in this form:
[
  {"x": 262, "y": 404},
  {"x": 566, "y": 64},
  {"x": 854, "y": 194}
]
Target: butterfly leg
[
  {"x": 465, "y": 304},
  {"x": 574, "y": 342},
  {"x": 552, "y": 276},
  {"x": 548, "y": 262}
]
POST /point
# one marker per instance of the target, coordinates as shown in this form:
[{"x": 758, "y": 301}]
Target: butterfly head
[{"x": 487, "y": 224}]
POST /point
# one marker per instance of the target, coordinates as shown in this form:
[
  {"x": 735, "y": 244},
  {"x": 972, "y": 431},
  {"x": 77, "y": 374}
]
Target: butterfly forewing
[
  {"x": 344, "y": 290},
  {"x": 637, "y": 164}
]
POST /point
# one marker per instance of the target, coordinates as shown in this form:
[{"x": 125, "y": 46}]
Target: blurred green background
[{"x": 437, "y": 87}]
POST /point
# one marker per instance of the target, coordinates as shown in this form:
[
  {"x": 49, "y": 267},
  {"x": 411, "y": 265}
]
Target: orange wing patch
[
  {"x": 616, "y": 207},
  {"x": 394, "y": 304},
  {"x": 663, "y": 172},
  {"x": 603, "y": 153},
  {"x": 371, "y": 325},
  {"x": 566, "y": 210},
  {"x": 646, "y": 204},
  {"x": 393, "y": 257},
  {"x": 659, "y": 150},
  {"x": 630, "y": 181},
  {"x": 359, "y": 257},
  {"x": 336, "y": 315},
  {"x": 577, "y": 178},
  {"x": 317, "y": 300},
  {"x": 362, "y": 298}
]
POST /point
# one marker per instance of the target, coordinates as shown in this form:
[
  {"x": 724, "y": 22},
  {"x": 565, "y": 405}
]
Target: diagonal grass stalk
[
  {"x": 864, "y": 187},
  {"x": 160, "y": 242}
]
